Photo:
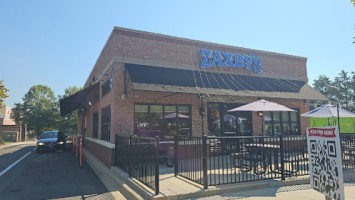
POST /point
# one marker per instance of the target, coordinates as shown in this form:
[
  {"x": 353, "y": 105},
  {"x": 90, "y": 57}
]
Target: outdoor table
[
  {"x": 262, "y": 154},
  {"x": 166, "y": 152}
]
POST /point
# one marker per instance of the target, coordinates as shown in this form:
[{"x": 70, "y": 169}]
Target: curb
[{"x": 112, "y": 182}]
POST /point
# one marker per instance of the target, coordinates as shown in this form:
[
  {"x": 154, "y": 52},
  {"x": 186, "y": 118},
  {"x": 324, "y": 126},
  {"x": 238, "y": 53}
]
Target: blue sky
[{"x": 56, "y": 43}]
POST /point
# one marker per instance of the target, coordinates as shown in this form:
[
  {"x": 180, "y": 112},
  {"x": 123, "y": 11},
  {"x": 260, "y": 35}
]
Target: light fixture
[{"x": 260, "y": 113}]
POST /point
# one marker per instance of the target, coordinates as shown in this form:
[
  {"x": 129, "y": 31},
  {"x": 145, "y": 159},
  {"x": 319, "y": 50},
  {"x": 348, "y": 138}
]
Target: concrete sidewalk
[
  {"x": 171, "y": 187},
  {"x": 303, "y": 192},
  {"x": 9, "y": 145}
]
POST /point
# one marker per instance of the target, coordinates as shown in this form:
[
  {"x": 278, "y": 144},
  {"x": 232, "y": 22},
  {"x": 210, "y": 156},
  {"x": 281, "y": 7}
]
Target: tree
[
  {"x": 341, "y": 90},
  {"x": 3, "y": 91},
  {"x": 69, "y": 123},
  {"x": 39, "y": 110}
]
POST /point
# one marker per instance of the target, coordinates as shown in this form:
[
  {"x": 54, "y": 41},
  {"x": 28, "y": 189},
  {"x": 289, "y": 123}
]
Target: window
[
  {"x": 184, "y": 120},
  {"x": 277, "y": 123},
  {"x": 223, "y": 123},
  {"x": 156, "y": 116},
  {"x": 105, "y": 123},
  {"x": 170, "y": 120},
  {"x": 141, "y": 121},
  {"x": 213, "y": 116},
  {"x": 106, "y": 87},
  {"x": 95, "y": 128},
  {"x": 294, "y": 123},
  {"x": 162, "y": 120}
]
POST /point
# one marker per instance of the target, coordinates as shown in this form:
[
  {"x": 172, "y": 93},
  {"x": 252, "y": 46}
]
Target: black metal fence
[
  {"x": 224, "y": 160},
  {"x": 138, "y": 156},
  {"x": 188, "y": 158},
  {"x": 347, "y": 142},
  {"x": 122, "y": 152},
  {"x": 221, "y": 160}
]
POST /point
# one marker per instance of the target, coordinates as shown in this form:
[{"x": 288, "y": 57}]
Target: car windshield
[{"x": 48, "y": 135}]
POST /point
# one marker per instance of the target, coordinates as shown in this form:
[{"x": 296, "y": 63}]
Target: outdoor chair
[
  {"x": 241, "y": 160},
  {"x": 250, "y": 160},
  {"x": 291, "y": 162}
]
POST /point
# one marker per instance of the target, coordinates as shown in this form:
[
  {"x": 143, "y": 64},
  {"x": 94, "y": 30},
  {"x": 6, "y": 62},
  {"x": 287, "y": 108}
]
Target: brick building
[
  {"x": 156, "y": 85},
  {"x": 9, "y": 130}
]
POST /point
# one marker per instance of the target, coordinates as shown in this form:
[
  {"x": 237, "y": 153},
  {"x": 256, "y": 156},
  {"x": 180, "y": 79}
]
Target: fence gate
[{"x": 138, "y": 156}]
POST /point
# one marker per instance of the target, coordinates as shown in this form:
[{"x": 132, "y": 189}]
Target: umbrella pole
[
  {"x": 262, "y": 125},
  {"x": 338, "y": 117}
]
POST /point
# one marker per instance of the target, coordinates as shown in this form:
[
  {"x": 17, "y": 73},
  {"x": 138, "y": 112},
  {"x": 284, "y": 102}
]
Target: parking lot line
[{"x": 13, "y": 164}]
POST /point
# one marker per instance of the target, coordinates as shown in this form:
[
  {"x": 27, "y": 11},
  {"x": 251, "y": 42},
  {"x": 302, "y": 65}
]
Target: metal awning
[
  {"x": 79, "y": 99},
  {"x": 187, "y": 81}
]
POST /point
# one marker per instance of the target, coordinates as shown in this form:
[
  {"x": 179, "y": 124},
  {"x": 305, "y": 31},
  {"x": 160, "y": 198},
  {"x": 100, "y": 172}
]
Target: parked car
[{"x": 51, "y": 140}]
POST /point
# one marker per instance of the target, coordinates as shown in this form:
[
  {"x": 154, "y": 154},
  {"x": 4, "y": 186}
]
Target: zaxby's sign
[{"x": 223, "y": 59}]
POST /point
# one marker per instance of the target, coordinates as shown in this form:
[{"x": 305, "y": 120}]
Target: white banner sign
[{"x": 325, "y": 166}]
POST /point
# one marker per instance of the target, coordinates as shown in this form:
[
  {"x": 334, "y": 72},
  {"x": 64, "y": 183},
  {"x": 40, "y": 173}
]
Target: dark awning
[
  {"x": 189, "y": 81},
  {"x": 81, "y": 98}
]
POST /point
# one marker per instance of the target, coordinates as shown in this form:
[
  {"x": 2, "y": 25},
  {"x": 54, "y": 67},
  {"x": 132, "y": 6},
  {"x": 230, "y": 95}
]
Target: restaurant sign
[
  {"x": 223, "y": 59},
  {"x": 325, "y": 161}
]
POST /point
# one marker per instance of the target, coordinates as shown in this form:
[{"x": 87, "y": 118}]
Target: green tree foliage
[
  {"x": 3, "y": 91},
  {"x": 341, "y": 90},
  {"x": 39, "y": 110},
  {"x": 69, "y": 123}
]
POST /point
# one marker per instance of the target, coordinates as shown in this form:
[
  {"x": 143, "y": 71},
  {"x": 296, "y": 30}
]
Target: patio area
[{"x": 194, "y": 164}]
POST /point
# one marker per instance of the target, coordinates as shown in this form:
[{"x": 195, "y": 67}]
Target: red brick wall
[
  {"x": 104, "y": 154},
  {"x": 14, "y": 128}
]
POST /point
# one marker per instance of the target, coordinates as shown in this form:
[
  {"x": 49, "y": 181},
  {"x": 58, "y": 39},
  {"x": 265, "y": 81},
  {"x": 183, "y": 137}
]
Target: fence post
[
  {"x": 81, "y": 151},
  {"x": 156, "y": 165},
  {"x": 116, "y": 149},
  {"x": 77, "y": 147},
  {"x": 282, "y": 158},
  {"x": 130, "y": 157},
  {"x": 176, "y": 155},
  {"x": 73, "y": 144},
  {"x": 204, "y": 161}
]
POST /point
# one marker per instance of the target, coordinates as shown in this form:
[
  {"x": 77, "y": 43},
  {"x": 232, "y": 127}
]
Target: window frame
[
  {"x": 164, "y": 120},
  {"x": 282, "y": 121},
  {"x": 95, "y": 125},
  {"x": 106, "y": 123}
]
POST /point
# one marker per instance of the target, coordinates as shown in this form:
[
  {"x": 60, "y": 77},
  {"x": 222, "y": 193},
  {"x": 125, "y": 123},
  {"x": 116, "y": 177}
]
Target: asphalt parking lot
[{"x": 47, "y": 175}]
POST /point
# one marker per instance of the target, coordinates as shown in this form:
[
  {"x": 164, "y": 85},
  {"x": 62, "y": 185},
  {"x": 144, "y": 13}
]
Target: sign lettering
[{"x": 224, "y": 59}]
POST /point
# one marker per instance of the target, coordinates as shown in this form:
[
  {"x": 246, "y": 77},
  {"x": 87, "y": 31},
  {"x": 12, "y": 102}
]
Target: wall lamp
[{"x": 260, "y": 113}]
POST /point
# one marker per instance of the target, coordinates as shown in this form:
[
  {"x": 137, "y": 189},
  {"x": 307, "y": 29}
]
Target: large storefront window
[
  {"x": 277, "y": 123},
  {"x": 162, "y": 120},
  {"x": 223, "y": 123}
]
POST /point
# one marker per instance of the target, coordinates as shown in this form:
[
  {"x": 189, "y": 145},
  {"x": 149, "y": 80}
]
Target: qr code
[{"x": 325, "y": 172}]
